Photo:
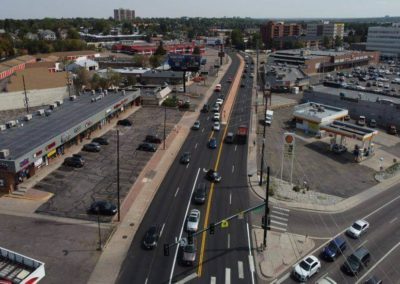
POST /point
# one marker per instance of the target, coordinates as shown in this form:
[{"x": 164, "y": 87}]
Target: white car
[
  {"x": 193, "y": 221},
  {"x": 306, "y": 268},
  {"x": 219, "y": 101},
  {"x": 216, "y": 126},
  {"x": 357, "y": 229},
  {"x": 216, "y": 116}
]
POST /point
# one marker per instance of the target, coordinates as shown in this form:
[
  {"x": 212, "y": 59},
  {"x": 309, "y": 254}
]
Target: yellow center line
[{"x": 205, "y": 225}]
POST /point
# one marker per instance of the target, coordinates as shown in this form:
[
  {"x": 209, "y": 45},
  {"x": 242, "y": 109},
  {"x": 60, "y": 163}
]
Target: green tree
[
  {"x": 237, "y": 39},
  {"x": 82, "y": 78},
  {"x": 73, "y": 34},
  {"x": 338, "y": 41},
  {"x": 127, "y": 28},
  {"x": 160, "y": 49},
  {"x": 155, "y": 61},
  {"x": 140, "y": 60},
  {"x": 326, "y": 42},
  {"x": 196, "y": 50}
]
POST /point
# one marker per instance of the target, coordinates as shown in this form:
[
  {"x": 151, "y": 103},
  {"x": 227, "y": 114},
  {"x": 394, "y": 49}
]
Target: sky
[{"x": 24, "y": 9}]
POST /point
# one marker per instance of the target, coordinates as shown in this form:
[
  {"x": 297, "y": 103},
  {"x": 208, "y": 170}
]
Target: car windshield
[
  {"x": 332, "y": 246},
  {"x": 192, "y": 219},
  {"x": 304, "y": 265},
  {"x": 189, "y": 249},
  {"x": 353, "y": 261},
  {"x": 106, "y": 205},
  {"x": 356, "y": 226}
]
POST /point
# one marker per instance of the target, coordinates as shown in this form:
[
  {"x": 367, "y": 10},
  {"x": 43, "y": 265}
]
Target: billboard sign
[{"x": 184, "y": 62}]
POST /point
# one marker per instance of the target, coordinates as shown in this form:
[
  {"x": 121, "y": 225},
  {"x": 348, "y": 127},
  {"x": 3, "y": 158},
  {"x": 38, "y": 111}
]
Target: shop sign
[
  {"x": 120, "y": 103},
  {"x": 51, "y": 153},
  {"x": 24, "y": 163},
  {"x": 48, "y": 147},
  {"x": 38, "y": 153}
]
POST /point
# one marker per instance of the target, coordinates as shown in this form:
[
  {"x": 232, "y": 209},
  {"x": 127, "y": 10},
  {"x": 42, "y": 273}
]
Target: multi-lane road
[{"x": 224, "y": 256}]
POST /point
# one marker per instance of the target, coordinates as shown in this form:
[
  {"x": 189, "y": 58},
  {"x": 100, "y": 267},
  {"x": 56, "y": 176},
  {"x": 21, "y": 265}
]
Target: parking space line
[
  {"x": 176, "y": 192},
  {"x": 282, "y": 209},
  {"x": 202, "y": 130},
  {"x": 393, "y": 220},
  {"x": 195, "y": 146},
  {"x": 240, "y": 270},
  {"x": 363, "y": 243},
  {"x": 187, "y": 166},
  {"x": 162, "y": 229},
  {"x": 230, "y": 198},
  {"x": 233, "y": 168},
  {"x": 229, "y": 241},
  {"x": 235, "y": 148}
]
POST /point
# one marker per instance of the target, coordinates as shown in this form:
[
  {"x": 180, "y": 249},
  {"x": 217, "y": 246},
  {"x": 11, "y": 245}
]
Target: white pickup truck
[
  {"x": 18, "y": 268},
  {"x": 268, "y": 117}
]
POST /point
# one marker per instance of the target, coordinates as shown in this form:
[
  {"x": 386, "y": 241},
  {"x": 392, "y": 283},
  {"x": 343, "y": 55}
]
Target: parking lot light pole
[
  {"x": 165, "y": 122},
  {"x": 266, "y": 213},
  {"x": 118, "y": 197}
]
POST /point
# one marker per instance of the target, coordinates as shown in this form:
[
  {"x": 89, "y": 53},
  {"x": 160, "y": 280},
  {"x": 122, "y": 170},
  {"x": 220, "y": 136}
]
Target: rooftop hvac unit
[
  {"x": 53, "y": 106},
  {"x": 4, "y": 153},
  {"x": 2, "y": 127},
  {"x": 59, "y": 102},
  {"x": 40, "y": 112},
  {"x": 72, "y": 98},
  {"x": 28, "y": 117},
  {"x": 48, "y": 112},
  {"x": 11, "y": 123}
]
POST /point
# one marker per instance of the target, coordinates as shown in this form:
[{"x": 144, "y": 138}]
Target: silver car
[{"x": 193, "y": 220}]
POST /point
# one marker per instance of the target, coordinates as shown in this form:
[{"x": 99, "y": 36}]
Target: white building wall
[{"x": 384, "y": 39}]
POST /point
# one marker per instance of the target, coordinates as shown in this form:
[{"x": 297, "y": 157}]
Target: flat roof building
[{"x": 386, "y": 40}]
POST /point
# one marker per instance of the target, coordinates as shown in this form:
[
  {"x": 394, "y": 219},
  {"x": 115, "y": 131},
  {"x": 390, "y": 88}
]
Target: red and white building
[
  {"x": 150, "y": 48},
  {"x": 9, "y": 67}
]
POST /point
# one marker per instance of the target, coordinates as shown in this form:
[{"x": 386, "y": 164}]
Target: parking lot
[
  {"x": 76, "y": 188},
  {"x": 323, "y": 170}
]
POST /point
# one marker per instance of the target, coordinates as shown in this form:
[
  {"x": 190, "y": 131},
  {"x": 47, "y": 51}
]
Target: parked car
[
  {"x": 216, "y": 116},
  {"x": 152, "y": 139},
  {"x": 100, "y": 140},
  {"x": 185, "y": 158},
  {"x": 357, "y": 229},
  {"x": 215, "y": 108},
  {"x": 372, "y": 123},
  {"x": 147, "y": 147},
  {"x": 91, "y": 147},
  {"x": 373, "y": 280},
  {"x": 216, "y": 126},
  {"x": 124, "y": 122},
  {"x": 196, "y": 125},
  {"x": 242, "y": 85},
  {"x": 361, "y": 120},
  {"x": 189, "y": 254},
  {"x": 219, "y": 101},
  {"x": 73, "y": 162},
  {"x": 346, "y": 117},
  {"x": 229, "y": 80},
  {"x": 356, "y": 261},
  {"x": 334, "y": 249},
  {"x": 193, "y": 221},
  {"x": 213, "y": 176},
  {"x": 200, "y": 194},
  {"x": 212, "y": 143},
  {"x": 103, "y": 207},
  {"x": 229, "y": 138},
  {"x": 306, "y": 268},
  {"x": 205, "y": 109},
  {"x": 151, "y": 237}
]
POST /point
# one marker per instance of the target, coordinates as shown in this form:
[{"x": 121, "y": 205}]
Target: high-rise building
[
  {"x": 124, "y": 14},
  {"x": 325, "y": 29},
  {"x": 278, "y": 30},
  {"x": 385, "y": 39}
]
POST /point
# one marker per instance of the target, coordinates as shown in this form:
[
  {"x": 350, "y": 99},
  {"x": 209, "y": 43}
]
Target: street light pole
[
  {"x": 266, "y": 213},
  {"x": 118, "y": 197},
  {"x": 98, "y": 224},
  {"x": 165, "y": 122}
]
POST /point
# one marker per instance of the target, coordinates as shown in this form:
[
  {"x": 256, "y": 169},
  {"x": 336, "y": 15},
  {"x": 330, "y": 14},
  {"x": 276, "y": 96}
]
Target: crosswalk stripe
[
  {"x": 240, "y": 269},
  {"x": 279, "y": 218},
  {"x": 213, "y": 280},
  {"x": 227, "y": 276},
  {"x": 278, "y": 228},
  {"x": 282, "y": 209},
  {"x": 279, "y": 213},
  {"x": 279, "y": 223}
]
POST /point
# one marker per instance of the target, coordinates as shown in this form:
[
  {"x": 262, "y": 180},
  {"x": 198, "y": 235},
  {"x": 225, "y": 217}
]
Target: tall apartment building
[
  {"x": 385, "y": 39},
  {"x": 278, "y": 30},
  {"x": 124, "y": 14},
  {"x": 325, "y": 29}
]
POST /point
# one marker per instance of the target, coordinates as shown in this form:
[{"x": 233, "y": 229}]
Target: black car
[
  {"x": 91, "y": 147},
  {"x": 200, "y": 194},
  {"x": 103, "y": 207},
  {"x": 229, "y": 138},
  {"x": 78, "y": 157},
  {"x": 213, "y": 176},
  {"x": 357, "y": 261},
  {"x": 147, "y": 147},
  {"x": 152, "y": 139},
  {"x": 73, "y": 162},
  {"x": 151, "y": 237},
  {"x": 100, "y": 140},
  {"x": 185, "y": 158},
  {"x": 205, "y": 109},
  {"x": 124, "y": 122}
]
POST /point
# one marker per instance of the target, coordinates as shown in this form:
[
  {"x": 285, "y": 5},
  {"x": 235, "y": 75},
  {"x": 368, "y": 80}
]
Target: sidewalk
[{"x": 141, "y": 195}]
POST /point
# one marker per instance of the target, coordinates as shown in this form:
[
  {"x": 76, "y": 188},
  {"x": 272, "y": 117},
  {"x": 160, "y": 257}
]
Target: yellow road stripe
[{"x": 205, "y": 225}]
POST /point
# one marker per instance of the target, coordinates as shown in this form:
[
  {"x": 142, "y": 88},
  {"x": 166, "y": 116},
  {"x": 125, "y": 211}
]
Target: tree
[
  {"x": 82, "y": 78},
  {"x": 196, "y": 50},
  {"x": 73, "y": 34},
  {"x": 338, "y": 41},
  {"x": 326, "y": 42},
  {"x": 237, "y": 39},
  {"x": 140, "y": 60},
  {"x": 155, "y": 60},
  {"x": 160, "y": 49},
  {"x": 127, "y": 28}
]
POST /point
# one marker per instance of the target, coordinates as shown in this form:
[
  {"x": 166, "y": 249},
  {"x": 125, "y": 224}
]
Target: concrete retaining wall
[
  {"x": 384, "y": 114},
  {"x": 15, "y": 100}
]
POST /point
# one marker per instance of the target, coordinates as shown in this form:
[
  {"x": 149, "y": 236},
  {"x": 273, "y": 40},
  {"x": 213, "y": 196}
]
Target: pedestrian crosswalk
[
  {"x": 279, "y": 219},
  {"x": 231, "y": 275}
]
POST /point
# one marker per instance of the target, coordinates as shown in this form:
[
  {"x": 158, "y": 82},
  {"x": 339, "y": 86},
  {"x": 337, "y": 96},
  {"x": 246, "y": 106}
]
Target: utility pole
[
  {"x": 100, "y": 248},
  {"x": 165, "y": 122},
  {"x": 184, "y": 81},
  {"x": 265, "y": 117},
  {"x": 26, "y": 101},
  {"x": 118, "y": 197},
  {"x": 266, "y": 213}
]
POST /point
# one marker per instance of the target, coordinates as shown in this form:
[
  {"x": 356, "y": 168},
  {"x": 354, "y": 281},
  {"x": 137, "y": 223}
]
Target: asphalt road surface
[{"x": 224, "y": 255}]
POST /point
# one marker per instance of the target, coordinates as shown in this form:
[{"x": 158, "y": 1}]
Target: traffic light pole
[{"x": 266, "y": 213}]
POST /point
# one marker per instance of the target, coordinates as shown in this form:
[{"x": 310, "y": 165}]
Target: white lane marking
[
  {"x": 162, "y": 229},
  {"x": 213, "y": 280},
  {"x": 240, "y": 269},
  {"x": 233, "y": 168},
  {"x": 230, "y": 198},
  {"x": 195, "y": 146},
  {"x": 147, "y": 279},
  {"x": 202, "y": 130},
  {"x": 176, "y": 192},
  {"x": 393, "y": 220},
  {"x": 279, "y": 223},
  {"x": 378, "y": 262},
  {"x": 251, "y": 259},
  {"x": 227, "y": 276},
  {"x": 278, "y": 228},
  {"x": 363, "y": 243},
  {"x": 279, "y": 218},
  {"x": 229, "y": 241},
  {"x": 183, "y": 225},
  {"x": 280, "y": 208},
  {"x": 187, "y": 278},
  {"x": 235, "y": 148},
  {"x": 208, "y": 118},
  {"x": 187, "y": 166},
  {"x": 279, "y": 213}
]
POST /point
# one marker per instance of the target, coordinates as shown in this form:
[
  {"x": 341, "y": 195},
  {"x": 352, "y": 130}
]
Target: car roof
[
  {"x": 361, "y": 222},
  {"x": 194, "y": 211},
  {"x": 310, "y": 259}
]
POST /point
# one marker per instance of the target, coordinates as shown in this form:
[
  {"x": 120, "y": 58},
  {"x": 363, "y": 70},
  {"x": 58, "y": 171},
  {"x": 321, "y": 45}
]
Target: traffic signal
[
  {"x": 166, "y": 249},
  {"x": 212, "y": 228},
  {"x": 266, "y": 225},
  {"x": 290, "y": 149}
]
